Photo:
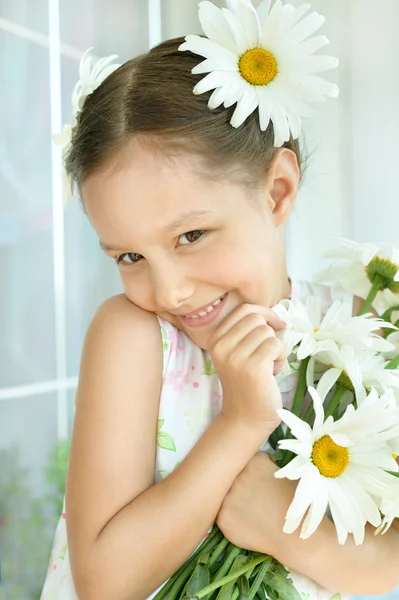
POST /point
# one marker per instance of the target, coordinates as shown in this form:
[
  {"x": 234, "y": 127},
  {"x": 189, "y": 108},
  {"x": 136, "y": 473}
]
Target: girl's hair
[{"x": 150, "y": 99}]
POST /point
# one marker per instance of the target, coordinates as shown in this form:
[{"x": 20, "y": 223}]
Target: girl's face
[{"x": 182, "y": 241}]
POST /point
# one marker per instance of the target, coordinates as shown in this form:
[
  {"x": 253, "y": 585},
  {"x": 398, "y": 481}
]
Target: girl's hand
[
  {"x": 253, "y": 512},
  {"x": 247, "y": 355}
]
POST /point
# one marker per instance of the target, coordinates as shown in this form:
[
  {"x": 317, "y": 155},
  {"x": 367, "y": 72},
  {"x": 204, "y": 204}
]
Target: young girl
[{"x": 177, "y": 389}]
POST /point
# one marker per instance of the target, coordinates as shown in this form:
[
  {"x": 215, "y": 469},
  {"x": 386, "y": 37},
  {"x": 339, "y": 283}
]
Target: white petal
[
  {"x": 313, "y": 64},
  {"x": 206, "y": 48},
  {"x": 306, "y": 27},
  {"x": 298, "y": 447},
  {"x": 299, "y": 428},
  {"x": 212, "y": 81},
  {"x": 280, "y": 125},
  {"x": 310, "y": 382},
  {"x": 307, "y": 347},
  {"x": 318, "y": 408},
  {"x": 316, "y": 511},
  {"x": 316, "y": 84},
  {"x": 245, "y": 107},
  {"x": 215, "y": 64},
  {"x": 247, "y": 16},
  {"x": 327, "y": 381},
  {"x": 311, "y": 45},
  {"x": 263, "y": 10},
  {"x": 217, "y": 97},
  {"x": 296, "y": 15},
  {"x": 85, "y": 65},
  {"x": 294, "y": 469},
  {"x": 215, "y": 26},
  {"x": 305, "y": 492},
  {"x": 235, "y": 91},
  {"x": 287, "y": 93},
  {"x": 295, "y": 125},
  {"x": 264, "y": 106},
  {"x": 240, "y": 41}
]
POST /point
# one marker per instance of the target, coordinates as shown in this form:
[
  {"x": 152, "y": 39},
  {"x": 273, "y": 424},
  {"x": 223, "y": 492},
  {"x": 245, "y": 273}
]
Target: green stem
[
  {"x": 232, "y": 554},
  {"x": 259, "y": 578},
  {"x": 185, "y": 570},
  {"x": 375, "y": 288},
  {"x": 393, "y": 364},
  {"x": 336, "y": 399},
  {"x": 301, "y": 387},
  {"x": 230, "y": 577},
  {"x": 287, "y": 455},
  {"x": 218, "y": 551}
]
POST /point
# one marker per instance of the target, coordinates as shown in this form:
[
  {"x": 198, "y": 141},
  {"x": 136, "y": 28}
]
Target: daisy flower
[
  {"x": 262, "y": 59},
  {"x": 355, "y": 266},
  {"x": 358, "y": 370},
  {"x": 92, "y": 72},
  {"x": 340, "y": 466},
  {"x": 307, "y": 327}
]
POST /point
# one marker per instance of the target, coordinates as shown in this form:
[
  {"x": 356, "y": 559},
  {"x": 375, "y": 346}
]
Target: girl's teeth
[{"x": 208, "y": 310}]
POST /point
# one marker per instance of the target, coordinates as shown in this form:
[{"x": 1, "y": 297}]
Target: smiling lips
[
  {"x": 204, "y": 316},
  {"x": 206, "y": 310}
]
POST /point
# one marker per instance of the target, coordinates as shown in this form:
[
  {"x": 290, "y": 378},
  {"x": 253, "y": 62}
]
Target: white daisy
[
  {"x": 340, "y": 466},
  {"x": 358, "y": 370},
  {"x": 262, "y": 59},
  {"x": 307, "y": 327},
  {"x": 355, "y": 266},
  {"x": 92, "y": 72}
]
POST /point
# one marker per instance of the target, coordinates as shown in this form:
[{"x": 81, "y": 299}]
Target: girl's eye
[
  {"x": 132, "y": 258},
  {"x": 129, "y": 258},
  {"x": 194, "y": 235}
]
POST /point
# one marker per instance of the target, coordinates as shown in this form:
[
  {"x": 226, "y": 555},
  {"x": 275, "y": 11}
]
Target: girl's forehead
[{"x": 150, "y": 184}]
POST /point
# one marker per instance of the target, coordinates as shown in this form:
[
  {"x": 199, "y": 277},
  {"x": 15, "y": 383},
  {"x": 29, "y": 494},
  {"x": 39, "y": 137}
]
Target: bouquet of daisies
[{"x": 341, "y": 437}]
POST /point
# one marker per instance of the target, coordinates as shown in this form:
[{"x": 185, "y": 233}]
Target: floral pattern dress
[{"x": 191, "y": 398}]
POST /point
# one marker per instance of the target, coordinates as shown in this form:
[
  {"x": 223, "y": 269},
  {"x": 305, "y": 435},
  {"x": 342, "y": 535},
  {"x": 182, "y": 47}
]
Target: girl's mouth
[{"x": 205, "y": 317}]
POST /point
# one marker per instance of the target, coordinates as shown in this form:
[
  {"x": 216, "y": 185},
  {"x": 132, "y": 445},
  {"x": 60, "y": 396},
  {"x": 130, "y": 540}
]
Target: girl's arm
[
  {"x": 127, "y": 536},
  {"x": 252, "y": 516}
]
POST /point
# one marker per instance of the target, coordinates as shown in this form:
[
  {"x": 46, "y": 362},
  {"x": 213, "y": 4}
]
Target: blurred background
[{"x": 52, "y": 272}]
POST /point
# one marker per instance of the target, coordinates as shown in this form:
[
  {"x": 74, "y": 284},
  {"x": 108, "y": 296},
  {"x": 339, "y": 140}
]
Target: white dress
[{"x": 191, "y": 398}]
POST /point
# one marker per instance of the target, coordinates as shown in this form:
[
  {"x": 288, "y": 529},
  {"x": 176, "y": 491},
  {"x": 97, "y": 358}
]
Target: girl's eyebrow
[
  {"x": 186, "y": 218},
  {"x": 180, "y": 221}
]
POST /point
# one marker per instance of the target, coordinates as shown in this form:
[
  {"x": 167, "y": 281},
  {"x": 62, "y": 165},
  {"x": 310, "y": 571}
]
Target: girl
[{"x": 177, "y": 385}]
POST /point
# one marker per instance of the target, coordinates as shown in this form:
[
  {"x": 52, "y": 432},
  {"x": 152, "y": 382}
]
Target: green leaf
[
  {"x": 281, "y": 584},
  {"x": 165, "y": 441},
  {"x": 160, "y": 424},
  {"x": 336, "y": 597},
  {"x": 163, "y": 474},
  {"x": 165, "y": 344},
  {"x": 243, "y": 586},
  {"x": 199, "y": 579},
  {"x": 63, "y": 552},
  {"x": 209, "y": 368}
]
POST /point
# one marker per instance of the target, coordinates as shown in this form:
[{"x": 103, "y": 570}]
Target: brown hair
[{"x": 151, "y": 98}]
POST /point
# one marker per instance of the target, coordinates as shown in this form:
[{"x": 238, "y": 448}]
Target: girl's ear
[{"x": 282, "y": 184}]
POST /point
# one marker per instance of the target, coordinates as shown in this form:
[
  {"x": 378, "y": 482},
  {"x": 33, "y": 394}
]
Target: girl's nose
[{"x": 172, "y": 288}]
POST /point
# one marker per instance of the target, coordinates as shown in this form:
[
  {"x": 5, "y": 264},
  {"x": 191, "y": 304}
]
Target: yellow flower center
[
  {"x": 329, "y": 458},
  {"x": 258, "y": 66}
]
